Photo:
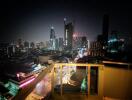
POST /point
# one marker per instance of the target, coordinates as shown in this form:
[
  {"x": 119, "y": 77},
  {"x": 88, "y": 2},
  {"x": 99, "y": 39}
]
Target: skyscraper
[
  {"x": 26, "y": 44},
  {"x": 32, "y": 45},
  {"x": 105, "y": 29},
  {"x": 52, "y": 38},
  {"x": 56, "y": 44},
  {"x": 60, "y": 44},
  {"x": 84, "y": 42},
  {"x": 68, "y": 35},
  {"x": 52, "y": 33},
  {"x": 102, "y": 40},
  {"x": 20, "y": 43}
]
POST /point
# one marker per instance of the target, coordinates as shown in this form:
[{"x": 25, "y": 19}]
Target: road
[{"x": 25, "y": 91}]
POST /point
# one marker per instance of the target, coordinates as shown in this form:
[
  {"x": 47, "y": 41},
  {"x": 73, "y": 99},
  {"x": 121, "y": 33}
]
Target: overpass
[{"x": 26, "y": 90}]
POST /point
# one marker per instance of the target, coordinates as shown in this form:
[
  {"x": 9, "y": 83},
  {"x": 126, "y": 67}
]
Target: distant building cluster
[
  {"x": 114, "y": 45},
  {"x": 80, "y": 42},
  {"x": 99, "y": 47},
  {"x": 107, "y": 43},
  {"x": 69, "y": 42}
]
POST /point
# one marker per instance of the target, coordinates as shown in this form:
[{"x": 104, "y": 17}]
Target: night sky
[{"x": 31, "y": 20}]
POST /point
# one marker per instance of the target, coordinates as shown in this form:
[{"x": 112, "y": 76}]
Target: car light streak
[{"x": 22, "y": 85}]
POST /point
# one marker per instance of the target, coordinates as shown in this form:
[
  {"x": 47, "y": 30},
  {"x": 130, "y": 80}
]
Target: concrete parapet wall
[{"x": 117, "y": 83}]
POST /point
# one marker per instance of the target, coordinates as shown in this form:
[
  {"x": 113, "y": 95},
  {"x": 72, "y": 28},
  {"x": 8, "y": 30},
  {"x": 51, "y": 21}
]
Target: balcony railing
[{"x": 88, "y": 67}]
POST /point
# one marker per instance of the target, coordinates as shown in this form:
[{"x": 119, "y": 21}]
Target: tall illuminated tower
[
  {"x": 52, "y": 38},
  {"x": 52, "y": 33},
  {"x": 68, "y": 35},
  {"x": 64, "y": 31}
]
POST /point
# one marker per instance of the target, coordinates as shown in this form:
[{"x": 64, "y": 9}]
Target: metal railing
[{"x": 61, "y": 65}]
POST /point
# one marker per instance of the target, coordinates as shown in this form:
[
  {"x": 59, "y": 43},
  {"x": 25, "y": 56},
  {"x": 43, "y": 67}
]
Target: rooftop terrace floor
[
  {"x": 72, "y": 96},
  {"x": 77, "y": 96}
]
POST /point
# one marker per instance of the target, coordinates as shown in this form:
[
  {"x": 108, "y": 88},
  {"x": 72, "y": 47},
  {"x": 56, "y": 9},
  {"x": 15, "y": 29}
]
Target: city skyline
[
  {"x": 65, "y": 49},
  {"x": 32, "y": 20}
]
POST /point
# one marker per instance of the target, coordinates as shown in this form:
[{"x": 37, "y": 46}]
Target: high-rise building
[
  {"x": 96, "y": 49},
  {"x": 60, "y": 44},
  {"x": 20, "y": 43},
  {"x": 84, "y": 42},
  {"x": 80, "y": 42},
  {"x": 68, "y": 35},
  {"x": 52, "y": 33},
  {"x": 52, "y": 38},
  {"x": 103, "y": 38},
  {"x": 105, "y": 29},
  {"x": 77, "y": 43},
  {"x": 56, "y": 44},
  {"x": 26, "y": 44},
  {"x": 47, "y": 44},
  {"x": 4, "y": 50},
  {"x": 32, "y": 45}
]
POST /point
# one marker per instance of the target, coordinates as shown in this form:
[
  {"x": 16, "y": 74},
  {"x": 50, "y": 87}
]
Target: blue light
[{"x": 112, "y": 40}]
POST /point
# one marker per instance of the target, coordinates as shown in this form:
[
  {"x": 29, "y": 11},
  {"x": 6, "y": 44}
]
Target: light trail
[{"x": 22, "y": 85}]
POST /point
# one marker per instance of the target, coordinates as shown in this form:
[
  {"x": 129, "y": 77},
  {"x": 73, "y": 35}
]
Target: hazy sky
[{"x": 32, "y": 20}]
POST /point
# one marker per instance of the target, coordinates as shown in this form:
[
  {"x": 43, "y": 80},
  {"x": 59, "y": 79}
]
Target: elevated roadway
[{"x": 25, "y": 91}]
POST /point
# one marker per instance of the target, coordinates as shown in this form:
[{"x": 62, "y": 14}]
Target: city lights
[
  {"x": 52, "y": 47},
  {"x": 26, "y": 83}
]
